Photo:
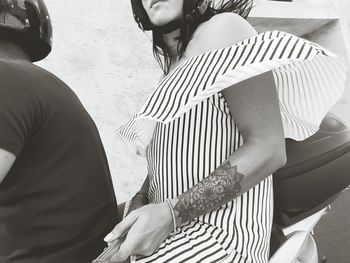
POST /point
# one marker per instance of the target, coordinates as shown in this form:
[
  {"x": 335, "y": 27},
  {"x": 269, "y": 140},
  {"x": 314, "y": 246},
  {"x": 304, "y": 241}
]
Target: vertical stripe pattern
[{"x": 184, "y": 152}]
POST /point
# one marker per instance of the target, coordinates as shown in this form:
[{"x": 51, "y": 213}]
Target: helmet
[
  {"x": 27, "y": 23},
  {"x": 192, "y": 10}
]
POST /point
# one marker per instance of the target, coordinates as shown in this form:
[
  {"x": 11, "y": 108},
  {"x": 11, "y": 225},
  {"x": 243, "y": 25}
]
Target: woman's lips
[{"x": 153, "y": 2}]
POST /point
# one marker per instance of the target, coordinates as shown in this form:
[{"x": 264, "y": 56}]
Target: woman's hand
[{"x": 146, "y": 227}]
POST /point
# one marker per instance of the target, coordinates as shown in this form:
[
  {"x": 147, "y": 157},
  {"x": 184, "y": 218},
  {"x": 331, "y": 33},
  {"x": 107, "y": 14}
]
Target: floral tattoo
[{"x": 220, "y": 187}]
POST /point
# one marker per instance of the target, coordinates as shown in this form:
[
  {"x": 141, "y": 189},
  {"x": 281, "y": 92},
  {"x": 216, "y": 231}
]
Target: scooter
[{"x": 316, "y": 173}]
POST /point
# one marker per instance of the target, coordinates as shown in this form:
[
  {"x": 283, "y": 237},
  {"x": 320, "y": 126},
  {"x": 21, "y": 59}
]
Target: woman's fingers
[
  {"x": 146, "y": 229},
  {"x": 124, "y": 251},
  {"x": 121, "y": 228},
  {"x": 133, "y": 245}
]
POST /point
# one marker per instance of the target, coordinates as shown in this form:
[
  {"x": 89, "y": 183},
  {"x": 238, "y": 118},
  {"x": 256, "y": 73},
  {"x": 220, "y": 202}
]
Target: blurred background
[{"x": 102, "y": 55}]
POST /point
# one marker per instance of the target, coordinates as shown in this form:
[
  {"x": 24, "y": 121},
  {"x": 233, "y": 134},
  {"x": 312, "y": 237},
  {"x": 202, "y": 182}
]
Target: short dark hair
[{"x": 188, "y": 26}]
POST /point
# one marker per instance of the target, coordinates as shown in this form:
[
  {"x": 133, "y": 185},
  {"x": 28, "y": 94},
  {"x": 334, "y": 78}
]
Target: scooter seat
[{"x": 317, "y": 169}]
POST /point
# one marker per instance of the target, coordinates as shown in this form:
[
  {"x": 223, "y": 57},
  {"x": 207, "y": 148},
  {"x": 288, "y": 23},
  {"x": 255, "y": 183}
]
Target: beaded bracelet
[{"x": 173, "y": 215}]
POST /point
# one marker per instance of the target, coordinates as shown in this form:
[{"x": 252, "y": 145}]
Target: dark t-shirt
[{"x": 57, "y": 202}]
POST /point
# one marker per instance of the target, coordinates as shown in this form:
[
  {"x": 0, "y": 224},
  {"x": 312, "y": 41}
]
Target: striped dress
[{"x": 185, "y": 130}]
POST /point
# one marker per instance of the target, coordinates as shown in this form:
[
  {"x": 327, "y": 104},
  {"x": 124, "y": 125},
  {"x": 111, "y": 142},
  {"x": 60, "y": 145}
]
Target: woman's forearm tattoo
[{"x": 220, "y": 187}]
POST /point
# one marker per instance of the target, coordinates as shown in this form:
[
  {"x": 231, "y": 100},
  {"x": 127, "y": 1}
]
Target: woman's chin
[{"x": 162, "y": 20}]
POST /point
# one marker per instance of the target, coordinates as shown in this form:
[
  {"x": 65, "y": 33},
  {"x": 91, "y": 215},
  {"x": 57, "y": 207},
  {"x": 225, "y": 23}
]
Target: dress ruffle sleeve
[{"x": 309, "y": 81}]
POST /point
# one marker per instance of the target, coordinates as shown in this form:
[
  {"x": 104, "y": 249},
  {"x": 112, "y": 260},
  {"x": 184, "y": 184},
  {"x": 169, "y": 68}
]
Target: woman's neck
[{"x": 171, "y": 40}]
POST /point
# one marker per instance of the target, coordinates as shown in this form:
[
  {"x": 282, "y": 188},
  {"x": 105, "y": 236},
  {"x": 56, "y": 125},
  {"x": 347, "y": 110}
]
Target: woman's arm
[
  {"x": 140, "y": 198},
  {"x": 255, "y": 109},
  {"x": 254, "y": 106}
]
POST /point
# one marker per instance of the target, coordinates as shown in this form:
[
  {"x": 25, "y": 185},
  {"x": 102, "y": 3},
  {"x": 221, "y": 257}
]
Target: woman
[{"x": 228, "y": 99}]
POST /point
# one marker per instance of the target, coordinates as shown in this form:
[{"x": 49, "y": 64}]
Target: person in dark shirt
[{"x": 56, "y": 195}]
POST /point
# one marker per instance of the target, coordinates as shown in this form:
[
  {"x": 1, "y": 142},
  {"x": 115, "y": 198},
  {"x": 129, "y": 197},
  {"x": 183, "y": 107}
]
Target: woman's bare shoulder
[{"x": 220, "y": 31}]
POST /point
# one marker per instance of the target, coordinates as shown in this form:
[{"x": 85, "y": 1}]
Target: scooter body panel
[
  {"x": 317, "y": 171},
  {"x": 299, "y": 247}
]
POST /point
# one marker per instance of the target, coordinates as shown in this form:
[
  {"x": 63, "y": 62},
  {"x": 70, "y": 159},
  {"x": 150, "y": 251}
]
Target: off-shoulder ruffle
[{"x": 309, "y": 81}]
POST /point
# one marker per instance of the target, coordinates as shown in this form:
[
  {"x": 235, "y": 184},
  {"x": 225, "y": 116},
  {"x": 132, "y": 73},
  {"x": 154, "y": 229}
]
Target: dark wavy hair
[{"x": 187, "y": 26}]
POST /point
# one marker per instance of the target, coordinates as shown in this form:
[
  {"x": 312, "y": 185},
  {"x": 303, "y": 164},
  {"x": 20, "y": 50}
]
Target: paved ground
[{"x": 333, "y": 232}]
